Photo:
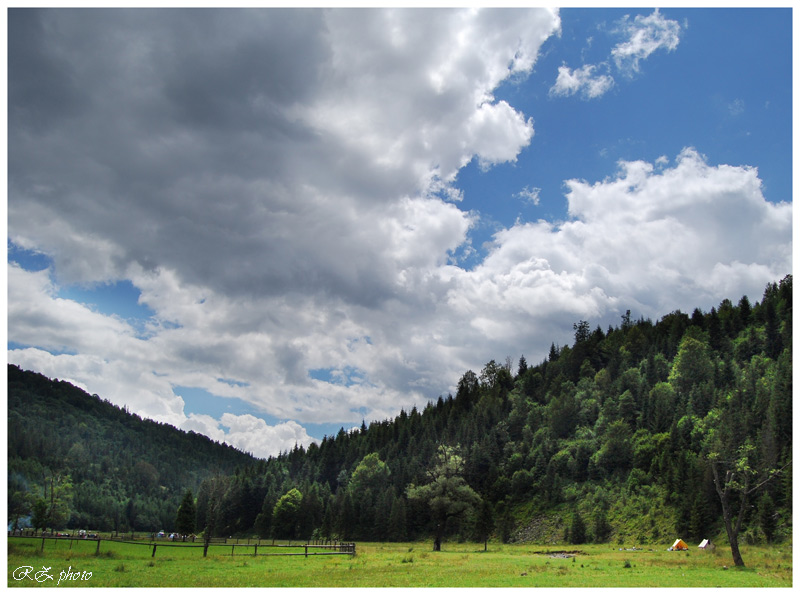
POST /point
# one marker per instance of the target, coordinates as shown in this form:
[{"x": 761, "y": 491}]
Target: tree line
[{"x": 638, "y": 432}]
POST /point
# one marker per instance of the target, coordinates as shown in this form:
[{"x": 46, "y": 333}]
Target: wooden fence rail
[{"x": 308, "y": 549}]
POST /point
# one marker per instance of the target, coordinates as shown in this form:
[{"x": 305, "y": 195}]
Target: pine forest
[{"x": 637, "y": 433}]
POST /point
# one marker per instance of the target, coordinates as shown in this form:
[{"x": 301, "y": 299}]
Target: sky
[{"x": 265, "y": 225}]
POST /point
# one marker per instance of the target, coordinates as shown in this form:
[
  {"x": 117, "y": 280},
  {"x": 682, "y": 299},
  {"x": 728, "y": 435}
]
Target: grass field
[{"x": 397, "y": 565}]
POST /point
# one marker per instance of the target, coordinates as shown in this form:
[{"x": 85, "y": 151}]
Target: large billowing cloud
[
  {"x": 284, "y": 201},
  {"x": 257, "y": 152},
  {"x": 651, "y": 238}
]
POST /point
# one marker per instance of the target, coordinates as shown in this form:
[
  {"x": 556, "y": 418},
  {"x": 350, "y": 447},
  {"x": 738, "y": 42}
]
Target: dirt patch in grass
[{"x": 560, "y": 553}]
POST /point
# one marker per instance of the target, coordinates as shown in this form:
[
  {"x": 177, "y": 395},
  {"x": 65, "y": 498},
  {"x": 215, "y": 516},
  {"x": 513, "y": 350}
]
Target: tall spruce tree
[
  {"x": 577, "y": 529},
  {"x": 484, "y": 525},
  {"x": 184, "y": 520}
]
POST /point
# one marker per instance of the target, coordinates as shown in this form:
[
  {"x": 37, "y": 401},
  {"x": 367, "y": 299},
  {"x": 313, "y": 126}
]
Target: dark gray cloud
[
  {"x": 185, "y": 149},
  {"x": 41, "y": 83}
]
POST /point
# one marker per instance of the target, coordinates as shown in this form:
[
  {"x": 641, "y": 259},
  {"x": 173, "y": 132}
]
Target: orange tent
[{"x": 679, "y": 545}]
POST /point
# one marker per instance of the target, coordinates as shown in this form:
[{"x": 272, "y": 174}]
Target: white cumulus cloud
[
  {"x": 645, "y": 35},
  {"x": 581, "y": 80},
  {"x": 646, "y": 239}
]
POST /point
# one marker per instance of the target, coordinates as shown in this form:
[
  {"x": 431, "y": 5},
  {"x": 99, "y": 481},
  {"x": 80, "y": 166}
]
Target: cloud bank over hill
[{"x": 287, "y": 205}]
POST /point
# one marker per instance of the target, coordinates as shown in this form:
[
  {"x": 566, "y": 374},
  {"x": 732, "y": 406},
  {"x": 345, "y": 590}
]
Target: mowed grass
[{"x": 401, "y": 565}]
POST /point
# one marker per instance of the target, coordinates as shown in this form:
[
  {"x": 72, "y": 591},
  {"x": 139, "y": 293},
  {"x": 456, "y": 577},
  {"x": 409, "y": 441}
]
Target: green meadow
[{"x": 397, "y": 565}]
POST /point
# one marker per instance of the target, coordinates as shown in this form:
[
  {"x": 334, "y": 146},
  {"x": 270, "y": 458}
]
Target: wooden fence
[
  {"x": 250, "y": 547},
  {"x": 327, "y": 550}
]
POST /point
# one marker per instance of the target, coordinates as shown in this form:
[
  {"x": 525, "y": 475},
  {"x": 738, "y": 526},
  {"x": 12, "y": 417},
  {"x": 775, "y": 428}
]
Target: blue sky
[
  {"x": 268, "y": 225},
  {"x": 729, "y": 100}
]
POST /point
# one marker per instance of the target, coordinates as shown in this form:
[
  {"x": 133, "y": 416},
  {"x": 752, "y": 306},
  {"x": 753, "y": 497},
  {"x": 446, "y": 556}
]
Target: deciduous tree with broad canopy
[
  {"x": 447, "y": 493},
  {"x": 286, "y": 515}
]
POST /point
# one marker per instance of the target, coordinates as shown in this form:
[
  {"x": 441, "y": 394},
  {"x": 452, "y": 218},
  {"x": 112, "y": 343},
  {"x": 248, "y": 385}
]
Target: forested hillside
[
  {"x": 611, "y": 438},
  {"x": 108, "y": 469},
  {"x": 617, "y": 437}
]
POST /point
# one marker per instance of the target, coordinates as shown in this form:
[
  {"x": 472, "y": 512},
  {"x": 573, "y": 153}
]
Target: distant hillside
[
  {"x": 125, "y": 472},
  {"x": 611, "y": 439}
]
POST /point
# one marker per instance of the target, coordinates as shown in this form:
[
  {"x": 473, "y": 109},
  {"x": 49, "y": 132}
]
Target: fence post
[
  {"x": 255, "y": 549},
  {"x": 153, "y": 555},
  {"x": 306, "y": 548},
  {"x": 97, "y": 551}
]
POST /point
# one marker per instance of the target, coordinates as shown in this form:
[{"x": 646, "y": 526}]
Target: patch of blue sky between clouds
[
  {"x": 201, "y": 402},
  {"x": 319, "y": 431},
  {"x": 120, "y": 299},
  {"x": 362, "y": 411},
  {"x": 232, "y": 382},
  {"x": 498, "y": 196},
  {"x": 331, "y": 430},
  {"x": 28, "y": 260},
  {"x": 347, "y": 376}
]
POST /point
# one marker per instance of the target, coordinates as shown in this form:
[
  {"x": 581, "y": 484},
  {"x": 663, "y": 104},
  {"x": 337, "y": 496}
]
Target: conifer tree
[
  {"x": 184, "y": 521},
  {"x": 485, "y": 523},
  {"x": 577, "y": 529},
  {"x": 601, "y": 527},
  {"x": 523, "y": 366},
  {"x": 766, "y": 516},
  {"x": 397, "y": 520}
]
